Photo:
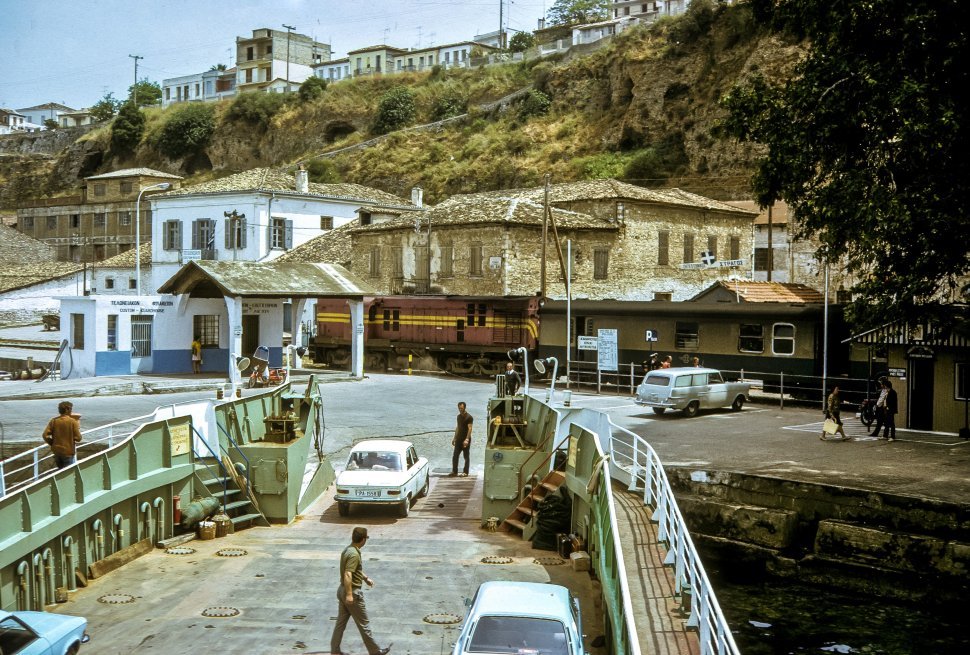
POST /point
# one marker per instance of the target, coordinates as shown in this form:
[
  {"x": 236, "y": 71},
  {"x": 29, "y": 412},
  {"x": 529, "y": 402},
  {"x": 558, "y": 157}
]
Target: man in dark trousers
[
  {"x": 350, "y": 597},
  {"x": 462, "y": 441},
  {"x": 512, "y": 379},
  {"x": 62, "y": 434},
  {"x": 892, "y": 407}
]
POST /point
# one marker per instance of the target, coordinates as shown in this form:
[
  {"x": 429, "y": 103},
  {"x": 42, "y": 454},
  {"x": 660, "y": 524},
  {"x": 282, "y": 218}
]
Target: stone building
[
  {"x": 627, "y": 242},
  {"x": 99, "y": 222}
]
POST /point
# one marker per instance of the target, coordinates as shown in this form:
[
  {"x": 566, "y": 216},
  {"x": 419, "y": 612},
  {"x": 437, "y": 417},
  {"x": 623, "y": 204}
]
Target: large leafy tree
[
  {"x": 127, "y": 129},
  {"x": 105, "y": 108},
  {"x": 867, "y": 142},
  {"x": 571, "y": 12},
  {"x": 149, "y": 93}
]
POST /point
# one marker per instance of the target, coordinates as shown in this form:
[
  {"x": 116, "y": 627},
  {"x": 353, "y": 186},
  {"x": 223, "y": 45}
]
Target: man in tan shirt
[
  {"x": 62, "y": 433},
  {"x": 350, "y": 597}
]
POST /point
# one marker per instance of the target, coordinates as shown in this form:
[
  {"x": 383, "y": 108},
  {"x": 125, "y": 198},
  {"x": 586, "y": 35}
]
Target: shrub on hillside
[
  {"x": 187, "y": 131},
  {"x": 521, "y": 41},
  {"x": 322, "y": 171},
  {"x": 448, "y": 106},
  {"x": 312, "y": 89},
  {"x": 535, "y": 103},
  {"x": 127, "y": 128},
  {"x": 695, "y": 22},
  {"x": 396, "y": 110},
  {"x": 256, "y": 109}
]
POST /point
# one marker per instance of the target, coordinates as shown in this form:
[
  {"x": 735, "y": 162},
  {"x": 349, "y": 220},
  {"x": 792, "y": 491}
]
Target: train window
[
  {"x": 751, "y": 338},
  {"x": 392, "y": 319},
  {"x": 686, "y": 337},
  {"x": 482, "y": 310},
  {"x": 470, "y": 313},
  {"x": 783, "y": 339}
]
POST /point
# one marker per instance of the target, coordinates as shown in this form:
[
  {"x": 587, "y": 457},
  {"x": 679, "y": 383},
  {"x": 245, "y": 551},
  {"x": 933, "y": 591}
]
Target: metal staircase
[
  {"x": 522, "y": 519},
  {"x": 236, "y": 500}
]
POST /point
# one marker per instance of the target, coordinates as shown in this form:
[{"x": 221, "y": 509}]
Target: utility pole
[
  {"x": 289, "y": 30},
  {"x": 501, "y": 7},
  {"x": 134, "y": 89},
  {"x": 545, "y": 238}
]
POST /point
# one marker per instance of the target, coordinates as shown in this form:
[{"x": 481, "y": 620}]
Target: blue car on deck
[{"x": 41, "y": 633}]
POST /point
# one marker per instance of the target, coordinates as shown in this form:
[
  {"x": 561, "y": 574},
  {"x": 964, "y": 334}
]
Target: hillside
[{"x": 643, "y": 109}]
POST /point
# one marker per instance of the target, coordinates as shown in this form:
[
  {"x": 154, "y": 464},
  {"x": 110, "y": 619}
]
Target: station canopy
[{"x": 217, "y": 279}]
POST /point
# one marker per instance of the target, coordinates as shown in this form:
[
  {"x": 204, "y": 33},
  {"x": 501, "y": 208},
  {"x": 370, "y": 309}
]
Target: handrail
[
  {"x": 238, "y": 450},
  {"x": 222, "y": 468},
  {"x": 643, "y": 466},
  {"x": 532, "y": 475}
]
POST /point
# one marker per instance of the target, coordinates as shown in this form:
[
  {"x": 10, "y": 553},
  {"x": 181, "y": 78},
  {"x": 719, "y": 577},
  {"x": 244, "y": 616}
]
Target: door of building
[
  {"x": 250, "y": 335},
  {"x": 920, "y": 402},
  {"x": 141, "y": 343}
]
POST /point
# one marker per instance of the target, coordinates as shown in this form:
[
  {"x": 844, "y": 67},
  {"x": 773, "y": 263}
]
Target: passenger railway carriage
[{"x": 458, "y": 334}]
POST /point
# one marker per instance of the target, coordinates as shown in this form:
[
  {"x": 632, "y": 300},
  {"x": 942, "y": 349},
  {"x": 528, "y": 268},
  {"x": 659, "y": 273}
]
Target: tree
[
  {"x": 105, "y": 108},
  {"x": 535, "y": 103},
  {"x": 521, "y": 41},
  {"x": 50, "y": 124},
  {"x": 312, "y": 89},
  {"x": 572, "y": 12},
  {"x": 396, "y": 110},
  {"x": 149, "y": 93},
  {"x": 217, "y": 67},
  {"x": 867, "y": 142},
  {"x": 127, "y": 129},
  {"x": 187, "y": 131}
]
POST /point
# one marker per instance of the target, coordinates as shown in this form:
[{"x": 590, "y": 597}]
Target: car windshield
[
  {"x": 370, "y": 460},
  {"x": 519, "y": 635},
  {"x": 658, "y": 380}
]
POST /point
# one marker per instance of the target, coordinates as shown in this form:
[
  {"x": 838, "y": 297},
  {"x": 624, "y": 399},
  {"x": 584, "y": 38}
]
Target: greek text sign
[{"x": 606, "y": 345}]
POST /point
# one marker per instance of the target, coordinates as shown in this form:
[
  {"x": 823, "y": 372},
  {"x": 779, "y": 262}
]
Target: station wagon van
[{"x": 689, "y": 389}]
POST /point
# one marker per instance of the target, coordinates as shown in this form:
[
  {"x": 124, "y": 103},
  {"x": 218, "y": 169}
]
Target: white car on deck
[
  {"x": 690, "y": 389},
  {"x": 383, "y": 472}
]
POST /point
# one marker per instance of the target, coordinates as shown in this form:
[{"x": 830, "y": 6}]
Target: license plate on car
[{"x": 369, "y": 493}]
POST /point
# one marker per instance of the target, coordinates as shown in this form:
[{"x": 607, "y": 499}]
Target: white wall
[{"x": 28, "y": 305}]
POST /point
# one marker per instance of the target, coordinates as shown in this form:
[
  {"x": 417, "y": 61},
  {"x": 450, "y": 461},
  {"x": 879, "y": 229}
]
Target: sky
[{"x": 73, "y": 52}]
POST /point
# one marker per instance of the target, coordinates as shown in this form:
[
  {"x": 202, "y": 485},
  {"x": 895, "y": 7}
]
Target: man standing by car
[
  {"x": 892, "y": 406},
  {"x": 462, "y": 441},
  {"x": 350, "y": 597},
  {"x": 62, "y": 434}
]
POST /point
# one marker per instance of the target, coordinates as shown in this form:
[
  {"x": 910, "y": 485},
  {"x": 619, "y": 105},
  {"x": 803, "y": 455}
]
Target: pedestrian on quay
[
  {"x": 696, "y": 362},
  {"x": 512, "y": 379},
  {"x": 197, "y": 355},
  {"x": 63, "y": 433},
  {"x": 892, "y": 407},
  {"x": 833, "y": 410},
  {"x": 350, "y": 597},
  {"x": 462, "y": 441},
  {"x": 880, "y": 407},
  {"x": 668, "y": 362}
]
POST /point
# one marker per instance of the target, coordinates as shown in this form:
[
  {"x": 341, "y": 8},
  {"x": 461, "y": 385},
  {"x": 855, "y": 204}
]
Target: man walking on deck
[
  {"x": 350, "y": 597},
  {"x": 462, "y": 441}
]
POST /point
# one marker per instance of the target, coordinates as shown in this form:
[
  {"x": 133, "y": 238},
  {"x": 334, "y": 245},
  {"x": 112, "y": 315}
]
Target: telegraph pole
[
  {"x": 501, "y": 7},
  {"x": 289, "y": 30},
  {"x": 134, "y": 89}
]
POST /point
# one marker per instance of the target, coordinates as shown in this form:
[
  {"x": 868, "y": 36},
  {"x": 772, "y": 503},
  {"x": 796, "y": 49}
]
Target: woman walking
[{"x": 833, "y": 410}]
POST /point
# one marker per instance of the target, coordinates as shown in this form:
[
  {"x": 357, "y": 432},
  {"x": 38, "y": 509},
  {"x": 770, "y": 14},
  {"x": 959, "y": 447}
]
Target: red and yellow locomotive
[{"x": 458, "y": 334}]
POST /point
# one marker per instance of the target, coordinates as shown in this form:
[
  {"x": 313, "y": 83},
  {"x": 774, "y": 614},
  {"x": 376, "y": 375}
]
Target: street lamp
[{"x": 160, "y": 186}]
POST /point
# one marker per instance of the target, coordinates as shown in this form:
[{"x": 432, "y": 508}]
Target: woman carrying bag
[{"x": 833, "y": 419}]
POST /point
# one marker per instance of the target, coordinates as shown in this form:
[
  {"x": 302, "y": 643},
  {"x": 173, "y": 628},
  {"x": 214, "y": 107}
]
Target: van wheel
[
  {"x": 343, "y": 508},
  {"x": 659, "y": 410},
  {"x": 738, "y": 403},
  {"x": 691, "y": 410},
  {"x": 404, "y": 508}
]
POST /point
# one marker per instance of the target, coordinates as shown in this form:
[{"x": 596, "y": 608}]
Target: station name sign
[
  {"x": 725, "y": 263},
  {"x": 142, "y": 306}
]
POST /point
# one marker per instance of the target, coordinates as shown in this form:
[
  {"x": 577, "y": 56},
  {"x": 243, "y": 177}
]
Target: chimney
[
  {"x": 302, "y": 182},
  {"x": 417, "y": 195},
  {"x": 542, "y": 23}
]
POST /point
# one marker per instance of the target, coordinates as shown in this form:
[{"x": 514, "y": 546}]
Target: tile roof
[
  {"x": 269, "y": 279},
  {"x": 491, "y": 208},
  {"x": 132, "y": 172},
  {"x": 614, "y": 189},
  {"x": 18, "y": 248},
  {"x": 127, "y": 259},
  {"x": 278, "y": 180},
  {"x": 332, "y": 247},
  {"x": 18, "y": 276},
  {"x": 751, "y": 291}
]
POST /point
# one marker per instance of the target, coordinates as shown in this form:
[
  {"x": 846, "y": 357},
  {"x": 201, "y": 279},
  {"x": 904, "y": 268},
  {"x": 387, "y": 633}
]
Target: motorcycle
[
  {"x": 867, "y": 412},
  {"x": 262, "y": 374}
]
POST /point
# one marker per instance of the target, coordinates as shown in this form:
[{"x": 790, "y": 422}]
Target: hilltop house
[{"x": 37, "y": 114}]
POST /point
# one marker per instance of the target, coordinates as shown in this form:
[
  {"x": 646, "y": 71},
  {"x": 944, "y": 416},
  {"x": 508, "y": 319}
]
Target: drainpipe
[
  {"x": 38, "y": 583},
  {"x": 146, "y": 511},
  {"x": 159, "y": 506},
  {"x": 22, "y": 571},
  {"x": 98, "y": 540},
  {"x": 118, "y": 532},
  {"x": 69, "y": 555},
  {"x": 51, "y": 588}
]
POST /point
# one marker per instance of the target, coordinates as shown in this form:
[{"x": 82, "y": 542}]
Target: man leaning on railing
[{"x": 62, "y": 434}]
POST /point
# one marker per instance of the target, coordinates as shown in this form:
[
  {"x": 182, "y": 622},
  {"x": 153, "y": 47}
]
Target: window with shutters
[
  {"x": 99, "y": 190},
  {"x": 712, "y": 246},
  {"x": 204, "y": 236},
  {"x": 601, "y": 263},
  {"x": 397, "y": 261},
  {"x": 126, "y": 187},
  {"x": 446, "y": 266},
  {"x": 326, "y": 222},
  {"x": 235, "y": 230},
  {"x": 735, "y": 248},
  {"x": 688, "y": 248},
  {"x": 663, "y": 248},
  {"x": 280, "y": 233},
  {"x": 475, "y": 260},
  {"x": 172, "y": 235},
  {"x": 374, "y": 264}
]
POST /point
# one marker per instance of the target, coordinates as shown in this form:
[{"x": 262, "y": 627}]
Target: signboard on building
[
  {"x": 179, "y": 438},
  {"x": 586, "y": 343},
  {"x": 651, "y": 335},
  {"x": 606, "y": 347},
  {"x": 191, "y": 255}
]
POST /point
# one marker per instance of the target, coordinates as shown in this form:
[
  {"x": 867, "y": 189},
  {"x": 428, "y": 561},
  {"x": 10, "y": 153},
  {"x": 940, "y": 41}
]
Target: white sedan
[{"x": 383, "y": 471}]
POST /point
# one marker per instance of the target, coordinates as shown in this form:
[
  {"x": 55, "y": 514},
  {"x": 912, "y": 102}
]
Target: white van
[{"x": 690, "y": 389}]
